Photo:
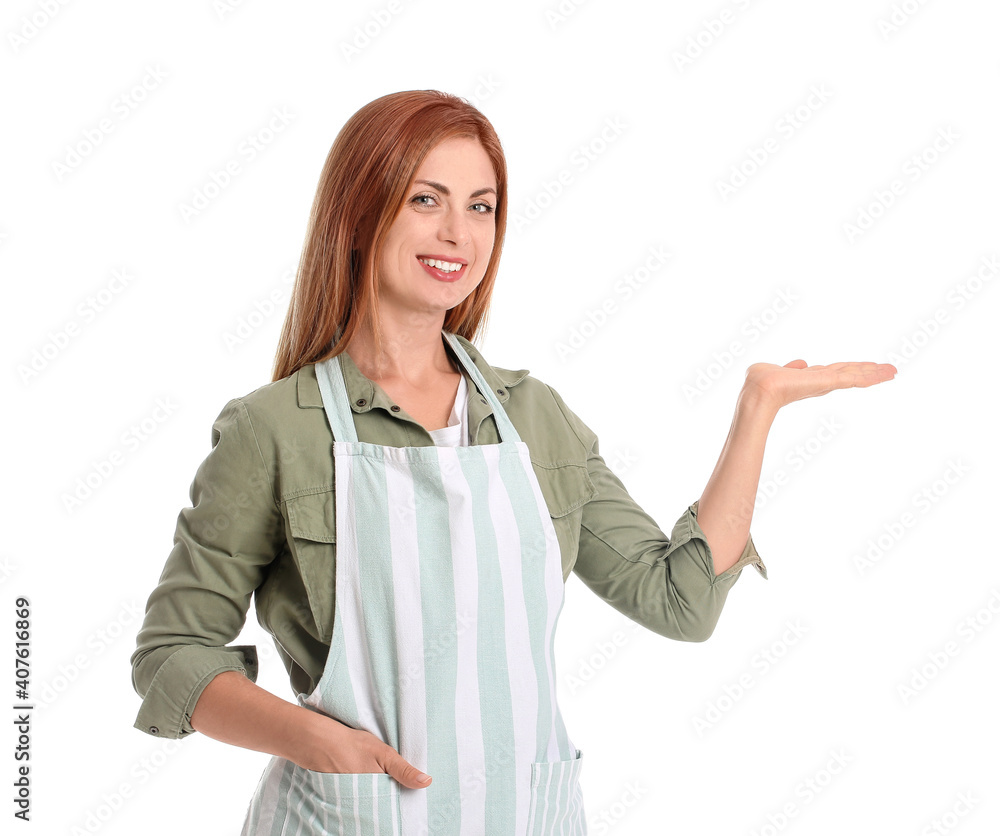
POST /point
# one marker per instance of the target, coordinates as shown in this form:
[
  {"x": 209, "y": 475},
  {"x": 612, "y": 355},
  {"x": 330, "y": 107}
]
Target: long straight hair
[{"x": 361, "y": 191}]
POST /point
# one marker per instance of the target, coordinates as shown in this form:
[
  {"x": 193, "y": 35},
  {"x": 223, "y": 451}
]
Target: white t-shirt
[{"x": 456, "y": 434}]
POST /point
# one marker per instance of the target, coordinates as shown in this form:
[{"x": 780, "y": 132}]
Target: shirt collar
[{"x": 364, "y": 395}]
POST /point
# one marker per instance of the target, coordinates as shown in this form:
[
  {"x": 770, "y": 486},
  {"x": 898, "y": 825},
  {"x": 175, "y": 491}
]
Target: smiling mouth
[{"x": 443, "y": 266}]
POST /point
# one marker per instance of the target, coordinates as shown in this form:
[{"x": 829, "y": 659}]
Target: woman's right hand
[
  {"x": 239, "y": 712},
  {"x": 328, "y": 745}
]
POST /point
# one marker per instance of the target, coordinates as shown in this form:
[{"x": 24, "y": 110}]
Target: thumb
[
  {"x": 796, "y": 364},
  {"x": 403, "y": 771}
]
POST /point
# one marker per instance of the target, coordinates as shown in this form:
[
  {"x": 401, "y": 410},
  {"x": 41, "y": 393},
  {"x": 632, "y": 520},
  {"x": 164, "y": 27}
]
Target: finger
[
  {"x": 858, "y": 366},
  {"x": 881, "y": 373},
  {"x": 874, "y": 372},
  {"x": 796, "y": 364},
  {"x": 862, "y": 375},
  {"x": 403, "y": 771}
]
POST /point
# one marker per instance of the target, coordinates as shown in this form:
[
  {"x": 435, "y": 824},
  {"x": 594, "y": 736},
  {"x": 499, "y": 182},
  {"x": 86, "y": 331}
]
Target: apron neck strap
[
  {"x": 504, "y": 425},
  {"x": 337, "y": 406}
]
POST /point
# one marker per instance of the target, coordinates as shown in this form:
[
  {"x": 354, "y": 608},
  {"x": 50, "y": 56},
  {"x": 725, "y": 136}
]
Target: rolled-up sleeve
[
  {"x": 666, "y": 584},
  {"x": 223, "y": 545}
]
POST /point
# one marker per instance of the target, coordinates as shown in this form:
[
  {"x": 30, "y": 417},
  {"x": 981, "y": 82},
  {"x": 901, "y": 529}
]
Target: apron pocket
[
  {"x": 362, "y": 803},
  {"x": 556, "y": 800}
]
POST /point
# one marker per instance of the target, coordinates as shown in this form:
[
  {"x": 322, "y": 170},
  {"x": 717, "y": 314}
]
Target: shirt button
[
  {"x": 361, "y": 402},
  {"x": 499, "y": 391},
  {"x": 154, "y": 730},
  {"x": 394, "y": 408},
  {"x": 482, "y": 399}
]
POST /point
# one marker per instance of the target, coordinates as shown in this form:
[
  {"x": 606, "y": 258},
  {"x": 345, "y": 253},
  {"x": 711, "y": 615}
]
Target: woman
[{"x": 413, "y": 579}]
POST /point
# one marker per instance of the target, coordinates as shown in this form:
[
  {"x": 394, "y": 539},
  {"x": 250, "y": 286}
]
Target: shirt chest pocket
[
  {"x": 312, "y": 537},
  {"x": 566, "y": 488}
]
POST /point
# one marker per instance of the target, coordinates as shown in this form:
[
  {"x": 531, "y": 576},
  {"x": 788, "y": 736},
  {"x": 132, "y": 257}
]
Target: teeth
[{"x": 446, "y": 266}]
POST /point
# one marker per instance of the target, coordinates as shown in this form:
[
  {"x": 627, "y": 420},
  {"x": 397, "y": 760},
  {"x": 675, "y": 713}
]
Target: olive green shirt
[{"x": 261, "y": 524}]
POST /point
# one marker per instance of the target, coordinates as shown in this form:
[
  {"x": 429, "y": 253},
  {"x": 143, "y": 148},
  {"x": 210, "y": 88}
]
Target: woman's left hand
[{"x": 780, "y": 385}]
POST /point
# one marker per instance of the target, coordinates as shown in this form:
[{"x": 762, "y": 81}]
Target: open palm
[{"x": 781, "y": 385}]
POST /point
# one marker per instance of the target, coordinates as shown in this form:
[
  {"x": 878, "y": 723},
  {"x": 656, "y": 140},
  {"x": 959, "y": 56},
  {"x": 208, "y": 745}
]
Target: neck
[{"x": 413, "y": 352}]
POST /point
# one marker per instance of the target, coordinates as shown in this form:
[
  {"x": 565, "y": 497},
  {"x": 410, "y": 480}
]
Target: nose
[{"x": 454, "y": 227}]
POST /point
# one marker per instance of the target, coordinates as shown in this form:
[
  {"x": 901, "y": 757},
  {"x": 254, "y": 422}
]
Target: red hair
[{"x": 361, "y": 191}]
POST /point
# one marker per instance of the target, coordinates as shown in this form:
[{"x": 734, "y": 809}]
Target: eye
[
  {"x": 483, "y": 208},
  {"x": 420, "y": 198}
]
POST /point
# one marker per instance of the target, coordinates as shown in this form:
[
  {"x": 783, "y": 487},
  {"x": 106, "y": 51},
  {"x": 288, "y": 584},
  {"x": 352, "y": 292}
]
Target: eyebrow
[{"x": 446, "y": 191}]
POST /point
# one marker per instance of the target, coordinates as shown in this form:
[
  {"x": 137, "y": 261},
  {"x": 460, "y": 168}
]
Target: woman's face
[{"x": 447, "y": 216}]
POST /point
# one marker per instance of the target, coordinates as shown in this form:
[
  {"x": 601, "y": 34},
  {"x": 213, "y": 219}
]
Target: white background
[{"x": 552, "y": 83}]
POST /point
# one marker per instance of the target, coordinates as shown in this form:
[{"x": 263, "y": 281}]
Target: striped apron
[{"x": 448, "y": 589}]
